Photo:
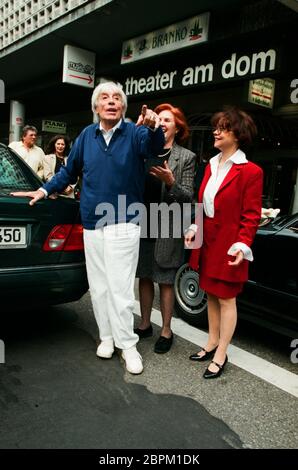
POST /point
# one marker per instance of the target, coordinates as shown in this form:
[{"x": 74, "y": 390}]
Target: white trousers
[{"x": 111, "y": 259}]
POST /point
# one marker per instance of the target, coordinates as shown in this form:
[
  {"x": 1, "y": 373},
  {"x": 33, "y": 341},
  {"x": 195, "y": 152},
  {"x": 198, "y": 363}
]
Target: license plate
[{"x": 13, "y": 237}]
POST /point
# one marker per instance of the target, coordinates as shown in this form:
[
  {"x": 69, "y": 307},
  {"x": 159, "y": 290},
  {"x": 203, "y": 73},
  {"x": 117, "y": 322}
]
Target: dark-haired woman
[
  {"x": 56, "y": 156},
  {"x": 170, "y": 181},
  {"x": 231, "y": 193}
]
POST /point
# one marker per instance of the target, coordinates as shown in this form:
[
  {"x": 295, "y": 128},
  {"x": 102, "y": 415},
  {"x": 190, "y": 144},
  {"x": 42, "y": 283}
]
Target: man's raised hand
[{"x": 148, "y": 118}]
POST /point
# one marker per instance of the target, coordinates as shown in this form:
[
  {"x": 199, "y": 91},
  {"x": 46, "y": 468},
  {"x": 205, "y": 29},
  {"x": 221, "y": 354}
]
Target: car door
[
  {"x": 24, "y": 228},
  {"x": 287, "y": 241},
  {"x": 272, "y": 290}
]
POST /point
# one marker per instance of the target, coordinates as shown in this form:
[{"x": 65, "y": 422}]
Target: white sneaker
[
  {"x": 133, "y": 360},
  {"x": 105, "y": 349}
]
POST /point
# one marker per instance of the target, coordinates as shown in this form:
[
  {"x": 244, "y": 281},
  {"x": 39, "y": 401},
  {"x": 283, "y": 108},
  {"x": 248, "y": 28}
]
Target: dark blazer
[
  {"x": 169, "y": 252},
  {"x": 237, "y": 213}
]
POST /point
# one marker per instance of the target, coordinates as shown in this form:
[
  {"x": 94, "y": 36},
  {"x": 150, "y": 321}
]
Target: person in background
[
  {"x": 167, "y": 182},
  {"x": 110, "y": 155},
  {"x": 56, "y": 156},
  {"x": 31, "y": 153},
  {"x": 231, "y": 193}
]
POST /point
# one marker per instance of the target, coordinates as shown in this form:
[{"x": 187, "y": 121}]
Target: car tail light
[{"x": 65, "y": 237}]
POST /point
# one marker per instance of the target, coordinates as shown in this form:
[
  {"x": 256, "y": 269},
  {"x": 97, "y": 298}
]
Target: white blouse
[{"x": 217, "y": 177}]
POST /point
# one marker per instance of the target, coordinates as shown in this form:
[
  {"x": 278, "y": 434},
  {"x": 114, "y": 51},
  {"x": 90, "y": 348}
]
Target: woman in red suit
[{"x": 231, "y": 193}]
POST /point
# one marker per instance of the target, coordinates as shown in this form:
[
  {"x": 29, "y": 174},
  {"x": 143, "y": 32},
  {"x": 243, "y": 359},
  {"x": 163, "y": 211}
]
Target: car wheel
[{"x": 190, "y": 299}]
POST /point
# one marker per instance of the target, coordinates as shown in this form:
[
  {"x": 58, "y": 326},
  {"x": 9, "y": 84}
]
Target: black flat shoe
[
  {"x": 144, "y": 333},
  {"x": 208, "y": 355},
  {"x": 163, "y": 344},
  {"x": 208, "y": 374}
]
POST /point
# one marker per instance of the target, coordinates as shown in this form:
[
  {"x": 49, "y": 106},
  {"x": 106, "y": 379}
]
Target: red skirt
[{"x": 217, "y": 287}]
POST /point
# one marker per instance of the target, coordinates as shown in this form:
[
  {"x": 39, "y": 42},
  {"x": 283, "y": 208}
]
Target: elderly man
[
  {"x": 31, "y": 153},
  {"x": 110, "y": 156}
]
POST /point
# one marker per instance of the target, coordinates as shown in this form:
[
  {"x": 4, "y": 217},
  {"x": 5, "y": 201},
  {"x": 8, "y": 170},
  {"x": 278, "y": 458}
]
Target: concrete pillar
[
  {"x": 16, "y": 120},
  {"x": 2, "y": 352},
  {"x": 2, "y": 92}
]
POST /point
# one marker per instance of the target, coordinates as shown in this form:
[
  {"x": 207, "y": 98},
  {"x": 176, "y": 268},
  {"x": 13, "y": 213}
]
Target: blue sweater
[{"x": 108, "y": 171}]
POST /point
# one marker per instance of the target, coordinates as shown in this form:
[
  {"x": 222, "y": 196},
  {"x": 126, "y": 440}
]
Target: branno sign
[
  {"x": 231, "y": 67},
  {"x": 183, "y": 34}
]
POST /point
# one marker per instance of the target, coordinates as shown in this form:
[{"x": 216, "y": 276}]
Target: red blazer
[{"x": 237, "y": 213}]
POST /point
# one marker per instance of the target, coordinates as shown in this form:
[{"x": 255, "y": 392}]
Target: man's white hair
[{"x": 108, "y": 87}]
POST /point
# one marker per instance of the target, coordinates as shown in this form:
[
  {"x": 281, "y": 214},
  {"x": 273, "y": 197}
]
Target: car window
[{"x": 11, "y": 174}]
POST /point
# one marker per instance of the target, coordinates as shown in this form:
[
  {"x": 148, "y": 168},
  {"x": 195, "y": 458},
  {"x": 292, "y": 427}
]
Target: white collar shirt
[
  {"x": 107, "y": 135},
  {"x": 217, "y": 177}
]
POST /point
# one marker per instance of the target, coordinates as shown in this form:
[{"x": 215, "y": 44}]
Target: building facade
[{"x": 200, "y": 57}]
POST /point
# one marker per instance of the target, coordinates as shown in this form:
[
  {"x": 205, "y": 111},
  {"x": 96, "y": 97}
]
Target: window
[{"x": 11, "y": 175}]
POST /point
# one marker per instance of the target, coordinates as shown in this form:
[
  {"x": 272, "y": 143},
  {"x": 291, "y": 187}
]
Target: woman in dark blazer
[
  {"x": 170, "y": 181},
  {"x": 231, "y": 193}
]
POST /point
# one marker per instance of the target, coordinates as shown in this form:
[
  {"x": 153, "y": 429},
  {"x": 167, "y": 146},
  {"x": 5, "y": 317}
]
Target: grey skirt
[{"x": 148, "y": 267}]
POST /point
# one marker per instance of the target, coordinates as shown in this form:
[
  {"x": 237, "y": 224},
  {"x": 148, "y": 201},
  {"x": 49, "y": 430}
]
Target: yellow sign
[{"x": 56, "y": 127}]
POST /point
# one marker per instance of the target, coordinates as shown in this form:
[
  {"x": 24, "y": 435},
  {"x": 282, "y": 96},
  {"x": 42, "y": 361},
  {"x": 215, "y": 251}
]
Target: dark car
[
  {"x": 41, "y": 246},
  {"x": 270, "y": 297}
]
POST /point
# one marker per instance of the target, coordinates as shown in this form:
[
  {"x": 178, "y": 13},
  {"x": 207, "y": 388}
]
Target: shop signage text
[
  {"x": 54, "y": 126},
  {"x": 261, "y": 92},
  {"x": 183, "y": 34},
  {"x": 231, "y": 68},
  {"x": 2, "y": 92},
  {"x": 78, "y": 66}
]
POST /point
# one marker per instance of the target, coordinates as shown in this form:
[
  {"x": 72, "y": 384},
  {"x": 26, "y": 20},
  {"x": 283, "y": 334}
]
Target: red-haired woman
[
  {"x": 231, "y": 193},
  {"x": 170, "y": 181}
]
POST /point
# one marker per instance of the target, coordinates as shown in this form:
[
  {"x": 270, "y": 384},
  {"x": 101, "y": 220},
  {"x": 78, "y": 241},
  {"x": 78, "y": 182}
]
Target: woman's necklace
[{"x": 165, "y": 154}]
